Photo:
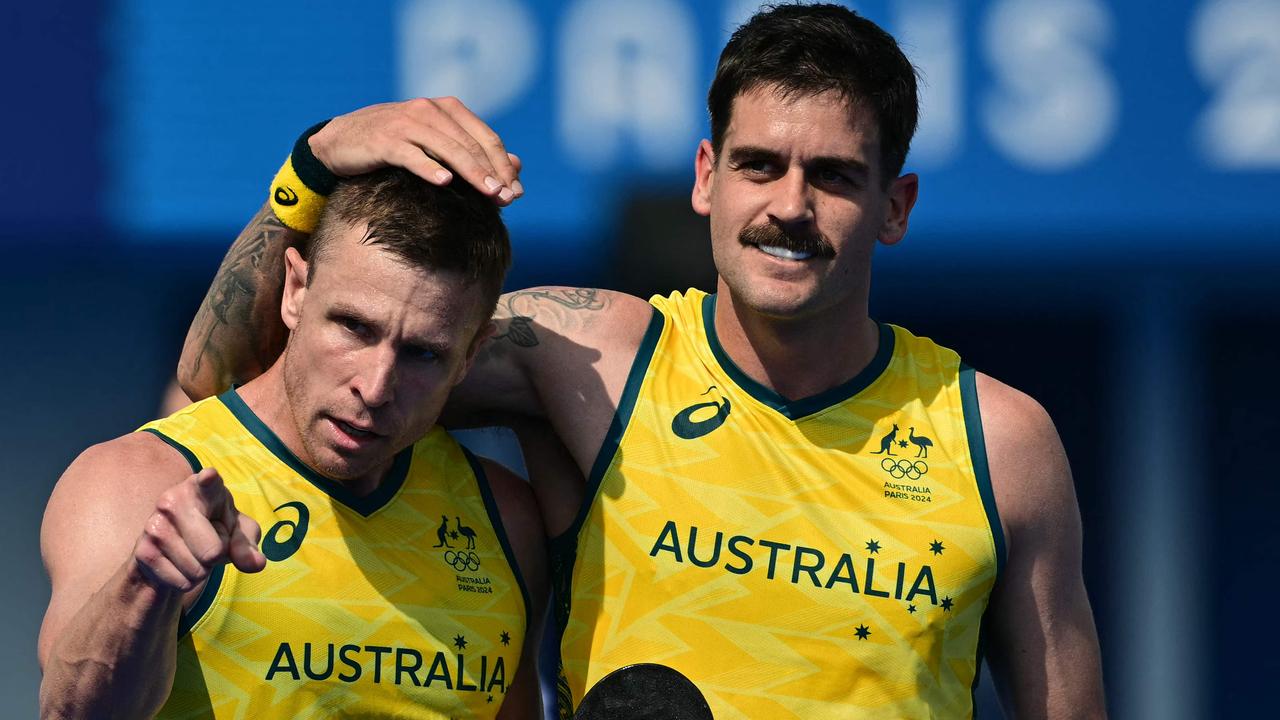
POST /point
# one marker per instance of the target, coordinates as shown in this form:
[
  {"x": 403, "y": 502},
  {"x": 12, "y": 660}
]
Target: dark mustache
[{"x": 775, "y": 235}]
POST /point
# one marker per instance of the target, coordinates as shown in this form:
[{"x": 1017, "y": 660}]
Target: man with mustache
[
  {"x": 348, "y": 608},
  {"x": 807, "y": 512}
]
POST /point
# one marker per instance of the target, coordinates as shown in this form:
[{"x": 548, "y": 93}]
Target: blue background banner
[{"x": 1044, "y": 123}]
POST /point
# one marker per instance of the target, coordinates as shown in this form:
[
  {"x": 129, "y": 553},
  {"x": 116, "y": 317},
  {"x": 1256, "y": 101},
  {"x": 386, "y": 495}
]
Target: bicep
[
  {"x": 94, "y": 516},
  {"x": 1042, "y": 643}
]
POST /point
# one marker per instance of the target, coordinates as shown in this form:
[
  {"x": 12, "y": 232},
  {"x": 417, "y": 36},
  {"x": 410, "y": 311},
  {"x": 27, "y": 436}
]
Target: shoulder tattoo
[{"x": 518, "y": 312}]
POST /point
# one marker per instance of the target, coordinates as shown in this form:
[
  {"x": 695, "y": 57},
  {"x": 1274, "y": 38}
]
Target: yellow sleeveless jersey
[
  {"x": 403, "y": 603},
  {"x": 828, "y": 557}
]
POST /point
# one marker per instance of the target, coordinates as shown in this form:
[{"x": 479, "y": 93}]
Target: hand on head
[{"x": 432, "y": 138}]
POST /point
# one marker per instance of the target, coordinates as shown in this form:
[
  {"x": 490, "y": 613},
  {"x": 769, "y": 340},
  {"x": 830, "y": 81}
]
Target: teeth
[{"x": 784, "y": 253}]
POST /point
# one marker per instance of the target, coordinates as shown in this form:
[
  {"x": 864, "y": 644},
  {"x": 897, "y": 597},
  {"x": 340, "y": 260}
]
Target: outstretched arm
[
  {"x": 127, "y": 543},
  {"x": 1043, "y": 644},
  {"x": 237, "y": 332}
]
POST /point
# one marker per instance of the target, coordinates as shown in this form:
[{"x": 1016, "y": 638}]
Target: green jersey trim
[
  {"x": 191, "y": 458},
  {"x": 365, "y": 506},
  {"x": 797, "y": 409},
  {"x": 978, "y": 453},
  {"x": 563, "y": 549},
  {"x": 495, "y": 521},
  {"x": 193, "y": 614},
  {"x": 200, "y": 607}
]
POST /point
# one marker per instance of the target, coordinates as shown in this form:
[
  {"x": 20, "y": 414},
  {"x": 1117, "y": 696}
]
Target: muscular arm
[
  {"x": 107, "y": 641},
  {"x": 237, "y": 332},
  {"x": 1041, "y": 637},
  {"x": 559, "y": 353},
  {"x": 128, "y": 538}
]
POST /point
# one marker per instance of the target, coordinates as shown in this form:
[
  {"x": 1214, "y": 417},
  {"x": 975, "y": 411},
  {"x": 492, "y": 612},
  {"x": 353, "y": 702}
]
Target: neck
[
  {"x": 797, "y": 358},
  {"x": 268, "y": 398}
]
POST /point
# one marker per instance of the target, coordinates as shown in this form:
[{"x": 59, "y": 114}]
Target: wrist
[
  {"x": 140, "y": 589},
  {"x": 301, "y": 188}
]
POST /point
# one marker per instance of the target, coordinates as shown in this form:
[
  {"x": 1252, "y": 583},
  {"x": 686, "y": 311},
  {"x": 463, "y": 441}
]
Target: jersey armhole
[
  {"x": 499, "y": 529},
  {"x": 981, "y": 468},
  {"x": 617, "y": 427},
  {"x": 200, "y": 607}
]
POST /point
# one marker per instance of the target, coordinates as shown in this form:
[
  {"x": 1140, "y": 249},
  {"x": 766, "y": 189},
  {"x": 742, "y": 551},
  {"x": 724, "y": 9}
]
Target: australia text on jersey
[
  {"x": 381, "y": 663},
  {"x": 807, "y": 562}
]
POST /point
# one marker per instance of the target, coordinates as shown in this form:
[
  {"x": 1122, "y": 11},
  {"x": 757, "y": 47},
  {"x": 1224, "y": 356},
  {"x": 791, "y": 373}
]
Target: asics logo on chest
[
  {"x": 277, "y": 549},
  {"x": 700, "y": 419}
]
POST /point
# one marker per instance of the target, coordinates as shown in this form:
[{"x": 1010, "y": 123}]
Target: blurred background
[{"x": 1098, "y": 224}]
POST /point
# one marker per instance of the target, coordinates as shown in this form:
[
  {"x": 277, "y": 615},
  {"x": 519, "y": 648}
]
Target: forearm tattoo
[
  {"x": 549, "y": 307},
  {"x": 230, "y": 331}
]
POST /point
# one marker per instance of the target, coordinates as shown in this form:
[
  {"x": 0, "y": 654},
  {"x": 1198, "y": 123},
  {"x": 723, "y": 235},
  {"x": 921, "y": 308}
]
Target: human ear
[
  {"x": 295, "y": 288},
  {"x": 704, "y": 164},
  {"x": 902, "y": 198}
]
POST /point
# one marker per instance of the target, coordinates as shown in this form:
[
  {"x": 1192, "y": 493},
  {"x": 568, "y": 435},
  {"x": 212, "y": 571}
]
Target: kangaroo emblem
[
  {"x": 443, "y": 532},
  {"x": 886, "y": 442},
  {"x": 920, "y": 441},
  {"x": 467, "y": 533}
]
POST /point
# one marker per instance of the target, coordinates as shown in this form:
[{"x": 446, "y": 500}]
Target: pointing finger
[{"x": 244, "y": 545}]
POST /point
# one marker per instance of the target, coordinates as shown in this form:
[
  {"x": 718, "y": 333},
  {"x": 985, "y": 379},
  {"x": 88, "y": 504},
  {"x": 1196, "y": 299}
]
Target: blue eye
[
  {"x": 353, "y": 326},
  {"x": 419, "y": 353}
]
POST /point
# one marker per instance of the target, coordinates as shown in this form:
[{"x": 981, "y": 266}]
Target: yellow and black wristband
[{"x": 301, "y": 188}]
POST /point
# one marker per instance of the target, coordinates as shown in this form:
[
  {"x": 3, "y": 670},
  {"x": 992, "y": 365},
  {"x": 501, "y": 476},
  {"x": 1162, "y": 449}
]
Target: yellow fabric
[
  {"x": 366, "y": 617},
  {"x": 295, "y": 204},
  {"x": 817, "y": 567}
]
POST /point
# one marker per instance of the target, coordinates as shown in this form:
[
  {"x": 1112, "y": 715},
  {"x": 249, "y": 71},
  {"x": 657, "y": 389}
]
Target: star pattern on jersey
[
  {"x": 911, "y": 609},
  {"x": 863, "y": 632},
  {"x": 489, "y": 699},
  {"x": 947, "y": 603},
  {"x": 936, "y": 547},
  {"x": 873, "y": 547},
  {"x": 902, "y": 443},
  {"x": 505, "y": 637},
  {"x": 460, "y": 642},
  {"x": 453, "y": 534}
]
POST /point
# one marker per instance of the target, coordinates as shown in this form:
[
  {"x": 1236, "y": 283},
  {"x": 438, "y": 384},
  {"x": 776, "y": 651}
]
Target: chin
[{"x": 778, "y": 302}]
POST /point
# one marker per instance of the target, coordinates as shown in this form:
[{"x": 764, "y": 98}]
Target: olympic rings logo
[
  {"x": 899, "y": 469},
  {"x": 462, "y": 560}
]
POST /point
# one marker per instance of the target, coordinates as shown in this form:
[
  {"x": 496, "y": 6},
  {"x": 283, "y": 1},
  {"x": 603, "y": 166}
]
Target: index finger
[{"x": 211, "y": 492}]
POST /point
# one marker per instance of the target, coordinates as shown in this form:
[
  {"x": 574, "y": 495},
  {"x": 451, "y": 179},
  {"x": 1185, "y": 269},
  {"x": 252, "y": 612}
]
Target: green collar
[
  {"x": 795, "y": 409},
  {"x": 366, "y": 505}
]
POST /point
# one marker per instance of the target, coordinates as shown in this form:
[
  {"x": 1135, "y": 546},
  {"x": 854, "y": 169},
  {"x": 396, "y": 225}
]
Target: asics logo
[
  {"x": 276, "y": 549},
  {"x": 685, "y": 426},
  {"x": 285, "y": 196}
]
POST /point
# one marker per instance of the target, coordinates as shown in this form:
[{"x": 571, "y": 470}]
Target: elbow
[{"x": 189, "y": 379}]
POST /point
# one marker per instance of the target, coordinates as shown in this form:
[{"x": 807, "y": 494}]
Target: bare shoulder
[
  {"x": 127, "y": 467},
  {"x": 591, "y": 317},
  {"x": 1030, "y": 476},
  {"x": 97, "y": 510},
  {"x": 109, "y": 491}
]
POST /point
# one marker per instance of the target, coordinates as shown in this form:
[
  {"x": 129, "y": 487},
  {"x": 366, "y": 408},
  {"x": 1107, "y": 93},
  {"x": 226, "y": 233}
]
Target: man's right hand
[
  {"x": 428, "y": 137},
  {"x": 195, "y": 528}
]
